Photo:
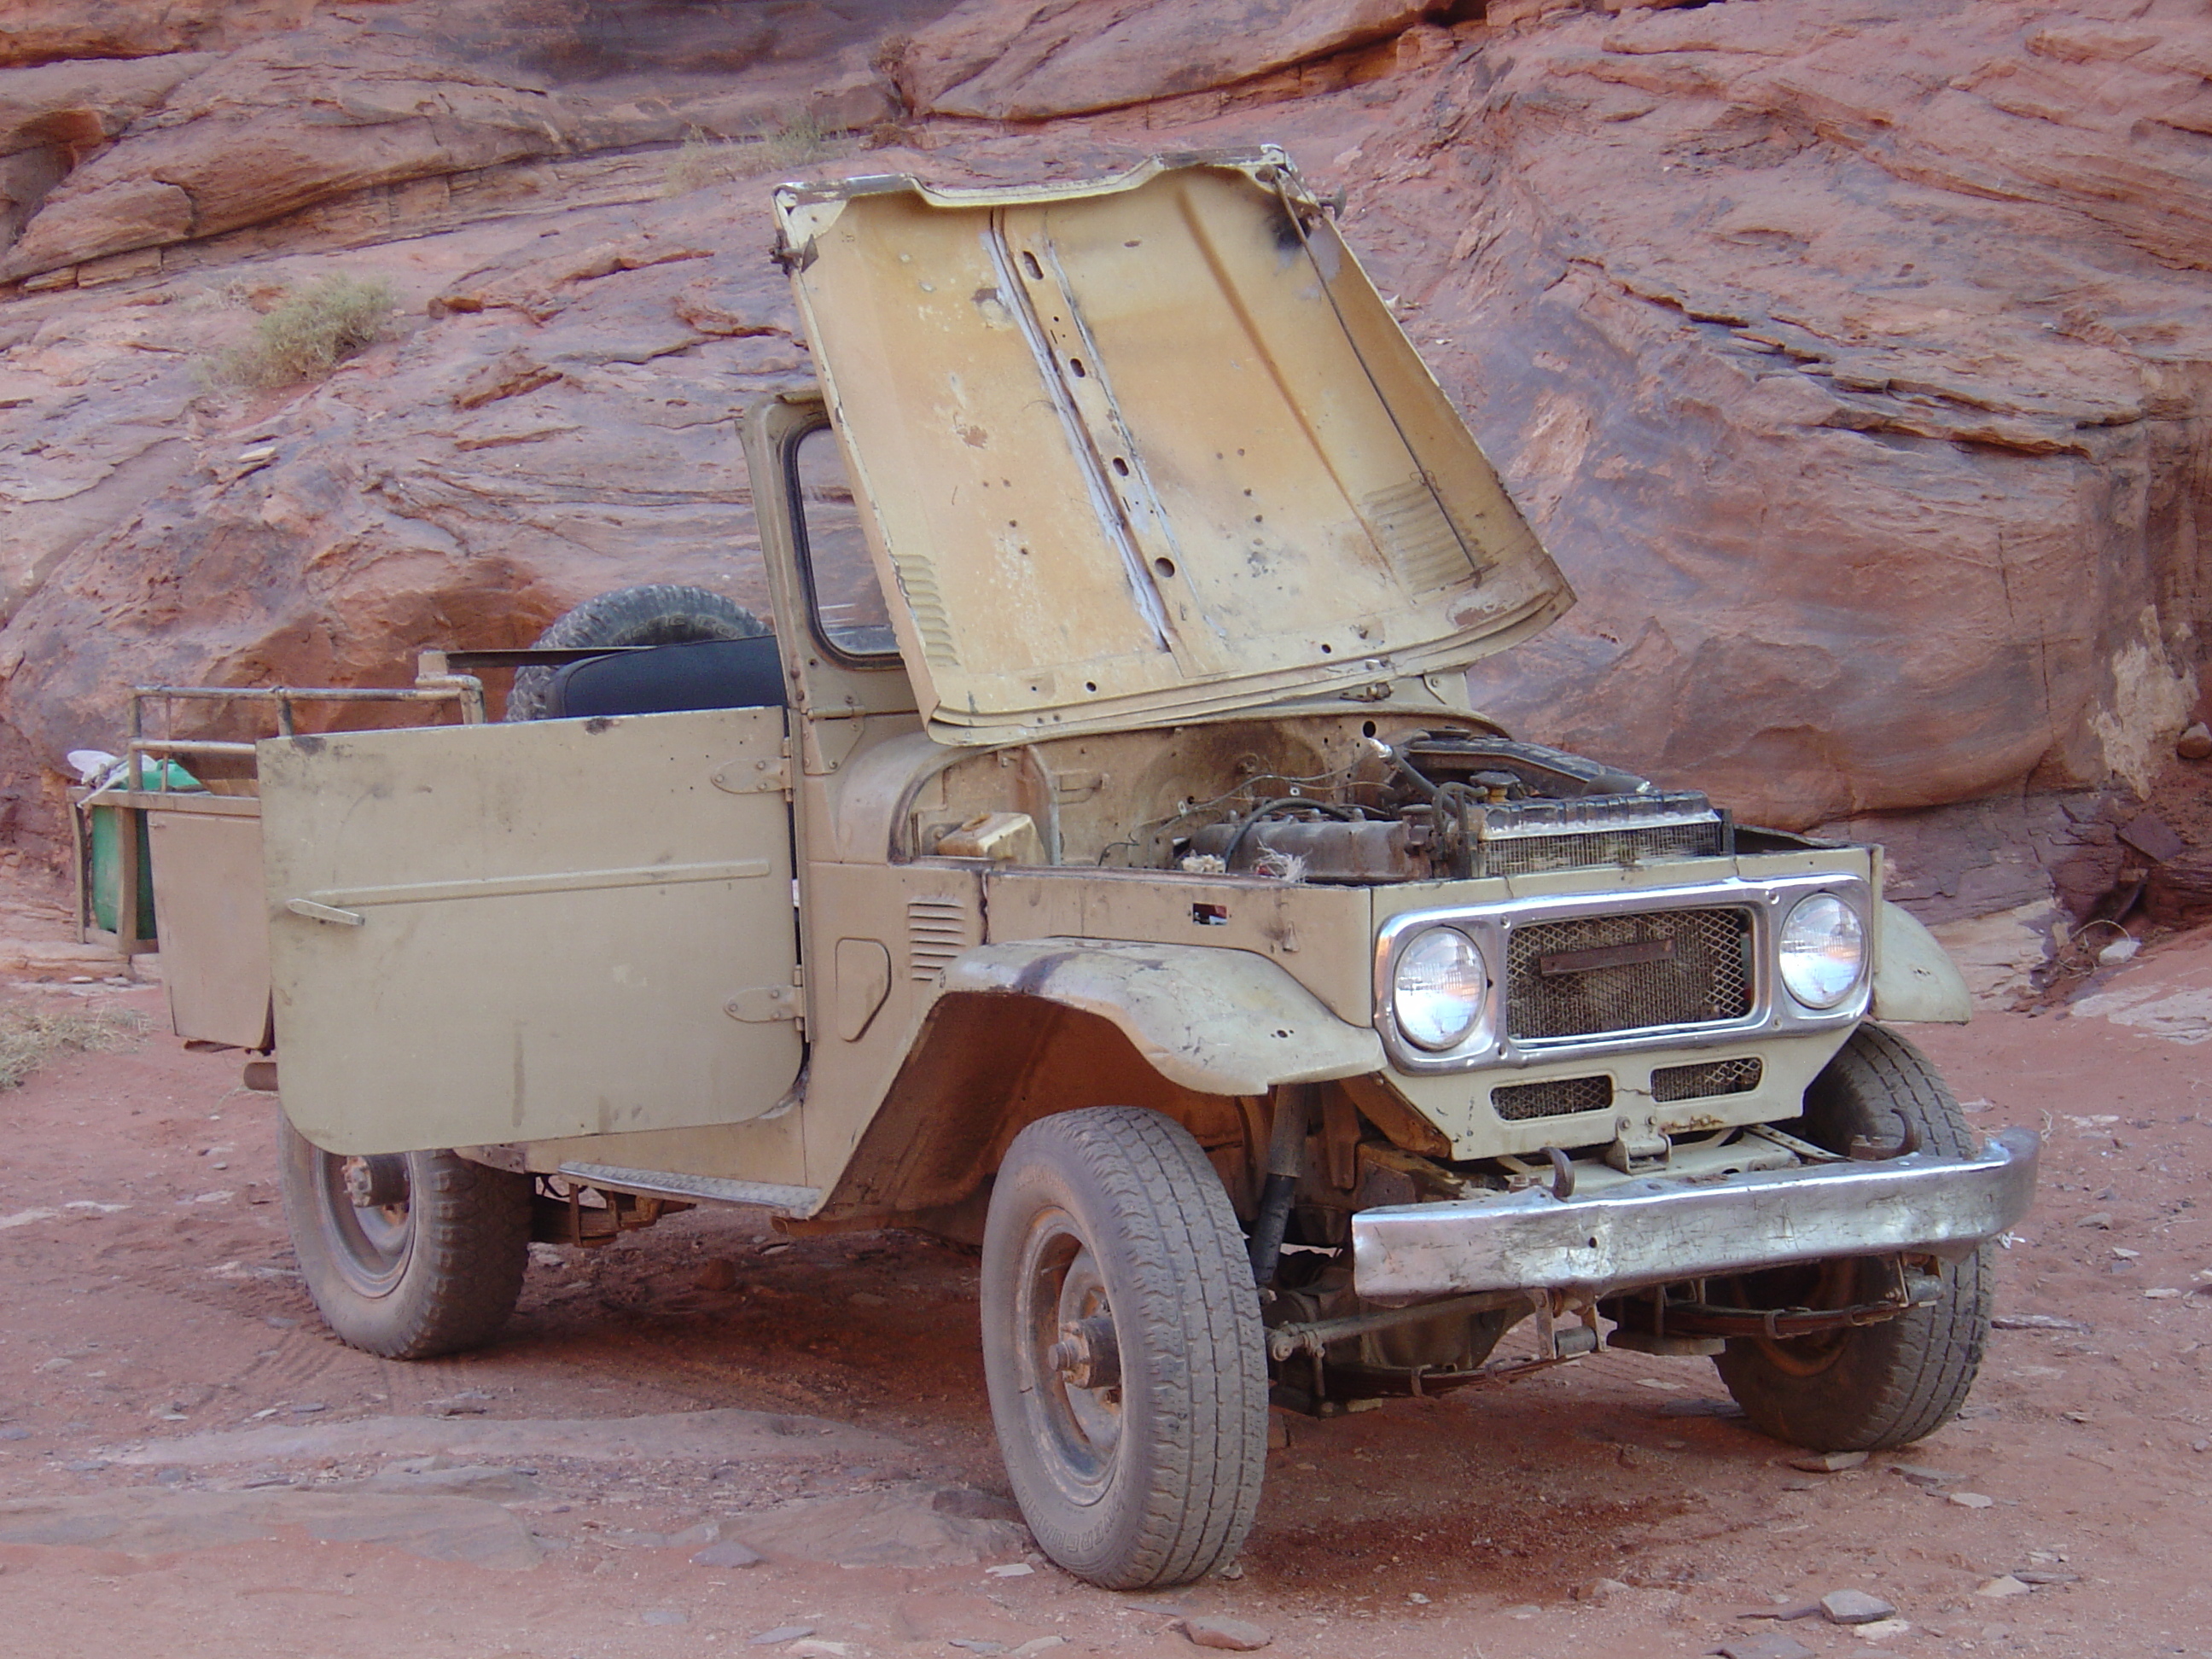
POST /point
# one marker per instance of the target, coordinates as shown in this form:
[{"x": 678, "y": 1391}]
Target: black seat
[{"x": 743, "y": 673}]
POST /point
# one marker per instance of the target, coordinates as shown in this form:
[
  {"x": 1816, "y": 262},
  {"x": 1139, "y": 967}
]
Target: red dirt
[{"x": 177, "y": 1314}]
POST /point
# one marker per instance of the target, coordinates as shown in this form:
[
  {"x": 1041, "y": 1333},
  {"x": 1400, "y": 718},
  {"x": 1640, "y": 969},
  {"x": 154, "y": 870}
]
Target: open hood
[{"x": 1147, "y": 447}]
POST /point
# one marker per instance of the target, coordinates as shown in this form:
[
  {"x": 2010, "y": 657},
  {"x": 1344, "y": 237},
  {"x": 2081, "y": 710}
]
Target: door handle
[{"x": 331, "y": 914}]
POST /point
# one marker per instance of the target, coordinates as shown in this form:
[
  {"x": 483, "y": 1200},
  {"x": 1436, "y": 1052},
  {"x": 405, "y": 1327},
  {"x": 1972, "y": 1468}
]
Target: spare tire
[{"x": 655, "y": 613}]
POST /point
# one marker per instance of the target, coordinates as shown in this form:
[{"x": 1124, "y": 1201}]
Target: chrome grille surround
[
  {"x": 1705, "y": 974},
  {"x": 1654, "y": 999}
]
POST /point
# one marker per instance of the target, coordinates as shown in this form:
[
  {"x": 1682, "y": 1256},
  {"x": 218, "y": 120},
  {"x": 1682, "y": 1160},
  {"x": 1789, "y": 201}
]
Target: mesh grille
[
  {"x": 1714, "y": 1077},
  {"x": 1694, "y": 969},
  {"x": 1554, "y": 1097},
  {"x": 1521, "y": 855}
]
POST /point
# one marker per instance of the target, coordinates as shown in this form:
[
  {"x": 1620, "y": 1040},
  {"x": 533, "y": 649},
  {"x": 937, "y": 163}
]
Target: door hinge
[
  {"x": 764, "y": 1005},
  {"x": 756, "y": 775}
]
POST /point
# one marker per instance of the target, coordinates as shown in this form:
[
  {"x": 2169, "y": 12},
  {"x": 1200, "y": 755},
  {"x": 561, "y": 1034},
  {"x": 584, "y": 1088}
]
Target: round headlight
[
  {"x": 1822, "y": 951},
  {"x": 1437, "y": 991}
]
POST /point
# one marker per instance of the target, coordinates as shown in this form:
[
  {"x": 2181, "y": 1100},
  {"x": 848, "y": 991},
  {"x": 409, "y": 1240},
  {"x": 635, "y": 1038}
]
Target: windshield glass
[{"x": 847, "y": 599}]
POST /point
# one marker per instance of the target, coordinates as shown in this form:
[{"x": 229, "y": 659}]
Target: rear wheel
[
  {"x": 654, "y": 613},
  {"x": 1873, "y": 1386},
  {"x": 407, "y": 1254},
  {"x": 1123, "y": 1348}
]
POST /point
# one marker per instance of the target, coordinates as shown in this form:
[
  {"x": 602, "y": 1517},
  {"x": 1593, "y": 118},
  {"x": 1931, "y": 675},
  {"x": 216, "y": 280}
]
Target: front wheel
[
  {"x": 407, "y": 1254},
  {"x": 1872, "y": 1386},
  {"x": 1123, "y": 1348}
]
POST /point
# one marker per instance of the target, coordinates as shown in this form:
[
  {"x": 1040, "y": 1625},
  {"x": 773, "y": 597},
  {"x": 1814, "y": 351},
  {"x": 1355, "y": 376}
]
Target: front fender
[
  {"x": 1221, "y": 1022},
  {"x": 1914, "y": 977}
]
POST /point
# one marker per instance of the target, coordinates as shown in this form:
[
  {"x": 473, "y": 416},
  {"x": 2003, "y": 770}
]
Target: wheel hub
[
  {"x": 376, "y": 1183},
  {"x": 1088, "y": 1355}
]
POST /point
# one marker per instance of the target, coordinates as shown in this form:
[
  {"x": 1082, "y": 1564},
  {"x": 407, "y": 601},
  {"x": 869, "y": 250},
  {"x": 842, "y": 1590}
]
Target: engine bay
[{"x": 1318, "y": 800}]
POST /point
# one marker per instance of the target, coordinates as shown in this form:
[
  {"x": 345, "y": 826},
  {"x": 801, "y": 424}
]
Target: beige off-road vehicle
[{"x": 1098, "y": 859}]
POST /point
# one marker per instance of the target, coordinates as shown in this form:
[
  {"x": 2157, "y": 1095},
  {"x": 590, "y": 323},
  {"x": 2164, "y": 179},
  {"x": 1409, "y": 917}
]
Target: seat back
[{"x": 744, "y": 674}]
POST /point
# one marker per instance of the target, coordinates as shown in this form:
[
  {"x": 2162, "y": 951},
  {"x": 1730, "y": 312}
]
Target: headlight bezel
[{"x": 1490, "y": 925}]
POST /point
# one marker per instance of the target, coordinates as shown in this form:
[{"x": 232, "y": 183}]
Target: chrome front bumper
[{"x": 1654, "y": 1231}]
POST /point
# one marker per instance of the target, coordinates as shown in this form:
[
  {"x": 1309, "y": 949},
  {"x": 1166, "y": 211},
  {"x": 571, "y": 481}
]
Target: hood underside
[{"x": 1147, "y": 447}]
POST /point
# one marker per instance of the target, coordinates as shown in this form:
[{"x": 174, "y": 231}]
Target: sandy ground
[{"x": 151, "y": 1298}]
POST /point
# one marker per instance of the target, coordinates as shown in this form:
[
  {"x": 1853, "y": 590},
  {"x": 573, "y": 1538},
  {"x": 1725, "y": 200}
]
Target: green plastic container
[{"x": 107, "y": 833}]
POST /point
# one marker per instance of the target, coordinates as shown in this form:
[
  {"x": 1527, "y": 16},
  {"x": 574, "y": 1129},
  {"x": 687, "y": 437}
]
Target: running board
[{"x": 697, "y": 1189}]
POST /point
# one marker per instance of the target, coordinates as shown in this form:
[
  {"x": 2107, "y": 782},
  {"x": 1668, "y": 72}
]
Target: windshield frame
[{"x": 802, "y": 552}]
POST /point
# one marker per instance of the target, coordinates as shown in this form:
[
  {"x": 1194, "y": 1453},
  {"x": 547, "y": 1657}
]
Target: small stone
[
  {"x": 14, "y": 1432},
  {"x": 1855, "y": 1607},
  {"x": 2194, "y": 742},
  {"x": 665, "y": 1616},
  {"x": 1828, "y": 1462},
  {"x": 1039, "y": 1645},
  {"x": 1881, "y": 1630},
  {"x": 1598, "y": 1591},
  {"x": 1998, "y": 1588},
  {"x": 2043, "y": 1576},
  {"x": 85, "y": 1465},
  {"x": 717, "y": 1275},
  {"x": 2119, "y": 950},
  {"x": 1970, "y": 1500},
  {"x": 781, "y": 1634},
  {"x": 2101, "y": 1218},
  {"x": 728, "y": 1553},
  {"x": 1921, "y": 1475},
  {"x": 2161, "y": 1294},
  {"x": 1011, "y": 1570},
  {"x": 1236, "y": 1635},
  {"x": 2077, "y": 1417},
  {"x": 1417, "y": 1598},
  {"x": 977, "y": 1644},
  {"x": 1775, "y": 1645},
  {"x": 309, "y": 1407},
  {"x": 816, "y": 1648}
]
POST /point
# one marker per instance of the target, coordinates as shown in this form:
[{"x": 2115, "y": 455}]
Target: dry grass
[
  {"x": 29, "y": 1038},
  {"x": 309, "y": 333},
  {"x": 703, "y": 159}
]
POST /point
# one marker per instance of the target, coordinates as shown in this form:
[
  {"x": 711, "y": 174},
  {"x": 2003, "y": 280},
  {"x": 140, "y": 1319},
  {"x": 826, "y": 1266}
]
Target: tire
[
  {"x": 656, "y": 613},
  {"x": 433, "y": 1272},
  {"x": 1880, "y": 1385},
  {"x": 1113, "y": 1216}
]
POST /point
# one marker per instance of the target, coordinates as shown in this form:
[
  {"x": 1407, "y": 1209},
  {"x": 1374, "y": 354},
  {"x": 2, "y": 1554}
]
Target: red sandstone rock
[
  {"x": 43, "y": 31},
  {"x": 1027, "y": 60},
  {"x": 1850, "y": 361}
]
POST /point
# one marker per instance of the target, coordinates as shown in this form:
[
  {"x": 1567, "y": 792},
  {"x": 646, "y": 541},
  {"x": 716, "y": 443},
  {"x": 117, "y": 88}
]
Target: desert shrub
[
  {"x": 29, "y": 1038},
  {"x": 307, "y": 334},
  {"x": 703, "y": 159}
]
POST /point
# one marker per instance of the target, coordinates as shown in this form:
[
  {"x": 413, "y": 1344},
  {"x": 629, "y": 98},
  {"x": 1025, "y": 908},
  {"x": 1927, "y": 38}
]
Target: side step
[{"x": 697, "y": 1189}]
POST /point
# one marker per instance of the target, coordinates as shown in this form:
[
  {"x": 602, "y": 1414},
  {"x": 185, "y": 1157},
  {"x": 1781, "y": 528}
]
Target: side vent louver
[{"x": 937, "y": 930}]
